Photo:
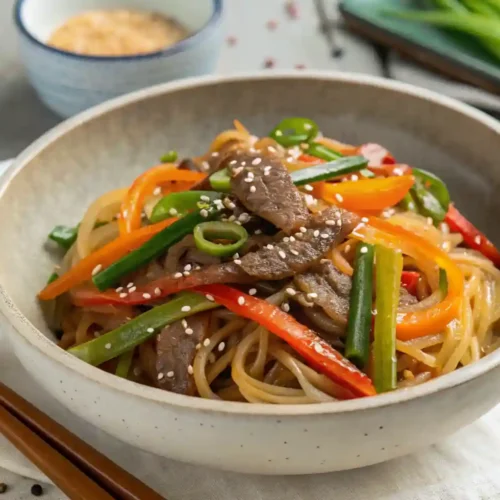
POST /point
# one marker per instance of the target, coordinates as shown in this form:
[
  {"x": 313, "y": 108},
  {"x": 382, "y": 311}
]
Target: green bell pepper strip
[
  {"x": 179, "y": 204},
  {"x": 124, "y": 364},
  {"x": 216, "y": 230},
  {"x": 357, "y": 348},
  {"x": 153, "y": 248},
  {"x": 169, "y": 157},
  {"x": 64, "y": 236},
  {"x": 434, "y": 185},
  {"x": 443, "y": 282},
  {"x": 408, "y": 203},
  {"x": 141, "y": 328},
  {"x": 294, "y": 131},
  {"x": 427, "y": 203},
  {"x": 325, "y": 171},
  {"x": 322, "y": 172},
  {"x": 388, "y": 282},
  {"x": 52, "y": 278}
]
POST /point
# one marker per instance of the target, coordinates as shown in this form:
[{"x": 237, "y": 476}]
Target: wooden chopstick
[{"x": 90, "y": 462}]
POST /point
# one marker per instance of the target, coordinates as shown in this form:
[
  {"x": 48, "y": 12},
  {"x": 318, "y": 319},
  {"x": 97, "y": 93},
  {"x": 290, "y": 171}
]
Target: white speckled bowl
[
  {"x": 57, "y": 177},
  {"x": 69, "y": 83}
]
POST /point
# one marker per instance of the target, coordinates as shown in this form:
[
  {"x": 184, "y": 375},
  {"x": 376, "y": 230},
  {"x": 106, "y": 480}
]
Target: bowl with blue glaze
[{"x": 68, "y": 82}]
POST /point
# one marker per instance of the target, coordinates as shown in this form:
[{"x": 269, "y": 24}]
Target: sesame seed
[
  {"x": 190, "y": 370},
  {"x": 221, "y": 346},
  {"x": 215, "y": 154},
  {"x": 241, "y": 300},
  {"x": 252, "y": 291},
  {"x": 266, "y": 173},
  {"x": 232, "y": 218},
  {"x": 119, "y": 289},
  {"x": 133, "y": 289},
  {"x": 298, "y": 235},
  {"x": 318, "y": 348},
  {"x": 282, "y": 254},
  {"x": 330, "y": 223},
  {"x": 312, "y": 295},
  {"x": 206, "y": 342},
  {"x": 160, "y": 376},
  {"x": 186, "y": 309},
  {"x": 285, "y": 306},
  {"x": 477, "y": 240},
  {"x": 184, "y": 323},
  {"x": 339, "y": 223},
  {"x": 294, "y": 252},
  {"x": 204, "y": 213},
  {"x": 248, "y": 179},
  {"x": 188, "y": 267},
  {"x": 270, "y": 148},
  {"x": 339, "y": 197},
  {"x": 123, "y": 295},
  {"x": 278, "y": 133},
  {"x": 364, "y": 219},
  {"x": 290, "y": 291},
  {"x": 244, "y": 217},
  {"x": 270, "y": 246},
  {"x": 189, "y": 331},
  {"x": 172, "y": 211},
  {"x": 146, "y": 295},
  {"x": 178, "y": 275},
  {"x": 157, "y": 292},
  {"x": 198, "y": 347},
  {"x": 137, "y": 371},
  {"x": 256, "y": 161},
  {"x": 354, "y": 177},
  {"x": 205, "y": 165},
  {"x": 310, "y": 200},
  {"x": 324, "y": 236},
  {"x": 237, "y": 170},
  {"x": 237, "y": 262},
  {"x": 258, "y": 231},
  {"x": 157, "y": 191},
  {"x": 308, "y": 187},
  {"x": 253, "y": 189},
  {"x": 232, "y": 162},
  {"x": 150, "y": 330},
  {"x": 96, "y": 269},
  {"x": 237, "y": 222},
  {"x": 302, "y": 229},
  {"x": 108, "y": 346},
  {"x": 130, "y": 285},
  {"x": 170, "y": 374},
  {"x": 205, "y": 198},
  {"x": 364, "y": 249},
  {"x": 316, "y": 233},
  {"x": 209, "y": 297},
  {"x": 347, "y": 248},
  {"x": 286, "y": 239},
  {"x": 429, "y": 221},
  {"x": 236, "y": 255},
  {"x": 292, "y": 239},
  {"x": 243, "y": 163},
  {"x": 97, "y": 334}
]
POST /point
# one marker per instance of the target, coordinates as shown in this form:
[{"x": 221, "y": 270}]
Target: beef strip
[
  {"x": 265, "y": 187},
  {"x": 175, "y": 350},
  {"x": 296, "y": 254}
]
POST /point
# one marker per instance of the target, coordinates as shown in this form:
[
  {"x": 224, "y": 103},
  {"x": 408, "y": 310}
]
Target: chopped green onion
[
  {"x": 169, "y": 157},
  {"x": 294, "y": 131},
  {"x": 153, "y": 248},
  {"x": 179, "y": 204},
  {"x": 427, "y": 203},
  {"x": 434, "y": 185},
  {"x": 52, "y": 278},
  {"x": 220, "y": 181},
  {"x": 408, "y": 203},
  {"x": 357, "y": 347},
  {"x": 323, "y": 152},
  {"x": 389, "y": 265},
  {"x": 443, "y": 282},
  {"x": 64, "y": 236},
  {"x": 124, "y": 364},
  {"x": 206, "y": 232},
  {"x": 138, "y": 330}
]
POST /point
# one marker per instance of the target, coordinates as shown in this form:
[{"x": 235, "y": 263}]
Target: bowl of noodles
[{"x": 275, "y": 274}]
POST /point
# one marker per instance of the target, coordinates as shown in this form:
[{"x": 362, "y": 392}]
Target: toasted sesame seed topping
[
  {"x": 206, "y": 342},
  {"x": 243, "y": 163},
  {"x": 364, "y": 249},
  {"x": 330, "y": 223},
  {"x": 146, "y": 295},
  {"x": 252, "y": 291},
  {"x": 232, "y": 218},
  {"x": 237, "y": 170},
  {"x": 339, "y": 197},
  {"x": 256, "y": 161},
  {"x": 160, "y": 376},
  {"x": 157, "y": 191},
  {"x": 312, "y": 295},
  {"x": 237, "y": 262},
  {"x": 282, "y": 254},
  {"x": 119, "y": 289},
  {"x": 308, "y": 187},
  {"x": 157, "y": 292},
  {"x": 364, "y": 219},
  {"x": 221, "y": 346},
  {"x": 237, "y": 222},
  {"x": 205, "y": 165},
  {"x": 324, "y": 236},
  {"x": 354, "y": 177},
  {"x": 258, "y": 231},
  {"x": 204, "y": 212},
  {"x": 190, "y": 370},
  {"x": 298, "y": 235},
  {"x": 204, "y": 197},
  {"x": 232, "y": 162},
  {"x": 150, "y": 330},
  {"x": 130, "y": 285},
  {"x": 286, "y": 239},
  {"x": 270, "y": 246},
  {"x": 172, "y": 211},
  {"x": 186, "y": 309},
  {"x": 294, "y": 252},
  {"x": 236, "y": 255},
  {"x": 198, "y": 346},
  {"x": 253, "y": 189},
  {"x": 133, "y": 289},
  {"x": 123, "y": 295},
  {"x": 290, "y": 291},
  {"x": 108, "y": 346},
  {"x": 285, "y": 306},
  {"x": 292, "y": 239},
  {"x": 429, "y": 221},
  {"x": 184, "y": 323},
  {"x": 178, "y": 275},
  {"x": 302, "y": 229},
  {"x": 170, "y": 374},
  {"x": 318, "y": 348},
  {"x": 188, "y": 267},
  {"x": 241, "y": 300},
  {"x": 248, "y": 179},
  {"x": 189, "y": 331},
  {"x": 339, "y": 222},
  {"x": 137, "y": 371},
  {"x": 477, "y": 240},
  {"x": 209, "y": 297},
  {"x": 215, "y": 154},
  {"x": 97, "y": 269},
  {"x": 244, "y": 217},
  {"x": 316, "y": 233}
]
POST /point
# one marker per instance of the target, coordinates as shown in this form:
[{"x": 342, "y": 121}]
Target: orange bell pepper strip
[
  {"x": 144, "y": 185},
  {"x": 411, "y": 325},
  {"x": 317, "y": 352},
  {"x": 366, "y": 194},
  {"x": 105, "y": 256}
]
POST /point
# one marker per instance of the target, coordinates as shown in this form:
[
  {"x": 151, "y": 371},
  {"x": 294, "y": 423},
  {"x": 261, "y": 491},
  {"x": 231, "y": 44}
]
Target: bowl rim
[
  {"x": 182, "y": 45},
  {"x": 37, "y": 340}
]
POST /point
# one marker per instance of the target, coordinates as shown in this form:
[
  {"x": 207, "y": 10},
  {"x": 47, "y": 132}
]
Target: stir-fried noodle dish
[{"x": 285, "y": 269}]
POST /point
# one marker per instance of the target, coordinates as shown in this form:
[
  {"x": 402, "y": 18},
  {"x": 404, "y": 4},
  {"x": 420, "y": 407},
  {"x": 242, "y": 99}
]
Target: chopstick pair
[{"x": 77, "y": 468}]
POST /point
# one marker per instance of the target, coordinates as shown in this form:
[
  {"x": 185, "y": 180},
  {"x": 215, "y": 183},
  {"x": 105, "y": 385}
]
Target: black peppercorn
[
  {"x": 36, "y": 490},
  {"x": 3, "y": 488}
]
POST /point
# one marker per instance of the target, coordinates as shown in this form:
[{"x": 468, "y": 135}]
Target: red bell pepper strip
[
  {"x": 318, "y": 353},
  {"x": 474, "y": 238},
  {"x": 409, "y": 280},
  {"x": 310, "y": 159}
]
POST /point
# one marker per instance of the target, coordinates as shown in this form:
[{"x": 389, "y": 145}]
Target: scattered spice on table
[
  {"x": 269, "y": 62},
  {"x": 231, "y": 40},
  {"x": 292, "y": 9},
  {"x": 37, "y": 490},
  {"x": 337, "y": 52},
  {"x": 271, "y": 25},
  {"x": 3, "y": 488},
  {"x": 300, "y": 66}
]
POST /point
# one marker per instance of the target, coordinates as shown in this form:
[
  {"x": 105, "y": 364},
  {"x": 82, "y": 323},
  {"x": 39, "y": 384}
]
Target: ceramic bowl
[
  {"x": 56, "y": 178},
  {"x": 69, "y": 83}
]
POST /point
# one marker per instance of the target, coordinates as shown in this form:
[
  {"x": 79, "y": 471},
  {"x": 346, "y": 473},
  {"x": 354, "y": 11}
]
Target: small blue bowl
[{"x": 69, "y": 83}]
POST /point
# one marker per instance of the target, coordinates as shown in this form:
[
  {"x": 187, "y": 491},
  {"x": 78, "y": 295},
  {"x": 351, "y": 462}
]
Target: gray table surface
[{"x": 23, "y": 118}]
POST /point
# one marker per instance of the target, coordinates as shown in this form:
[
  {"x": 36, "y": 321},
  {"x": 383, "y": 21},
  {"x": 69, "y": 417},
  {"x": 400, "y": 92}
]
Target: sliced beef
[
  {"x": 175, "y": 351},
  {"x": 265, "y": 188},
  {"x": 296, "y": 254}
]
